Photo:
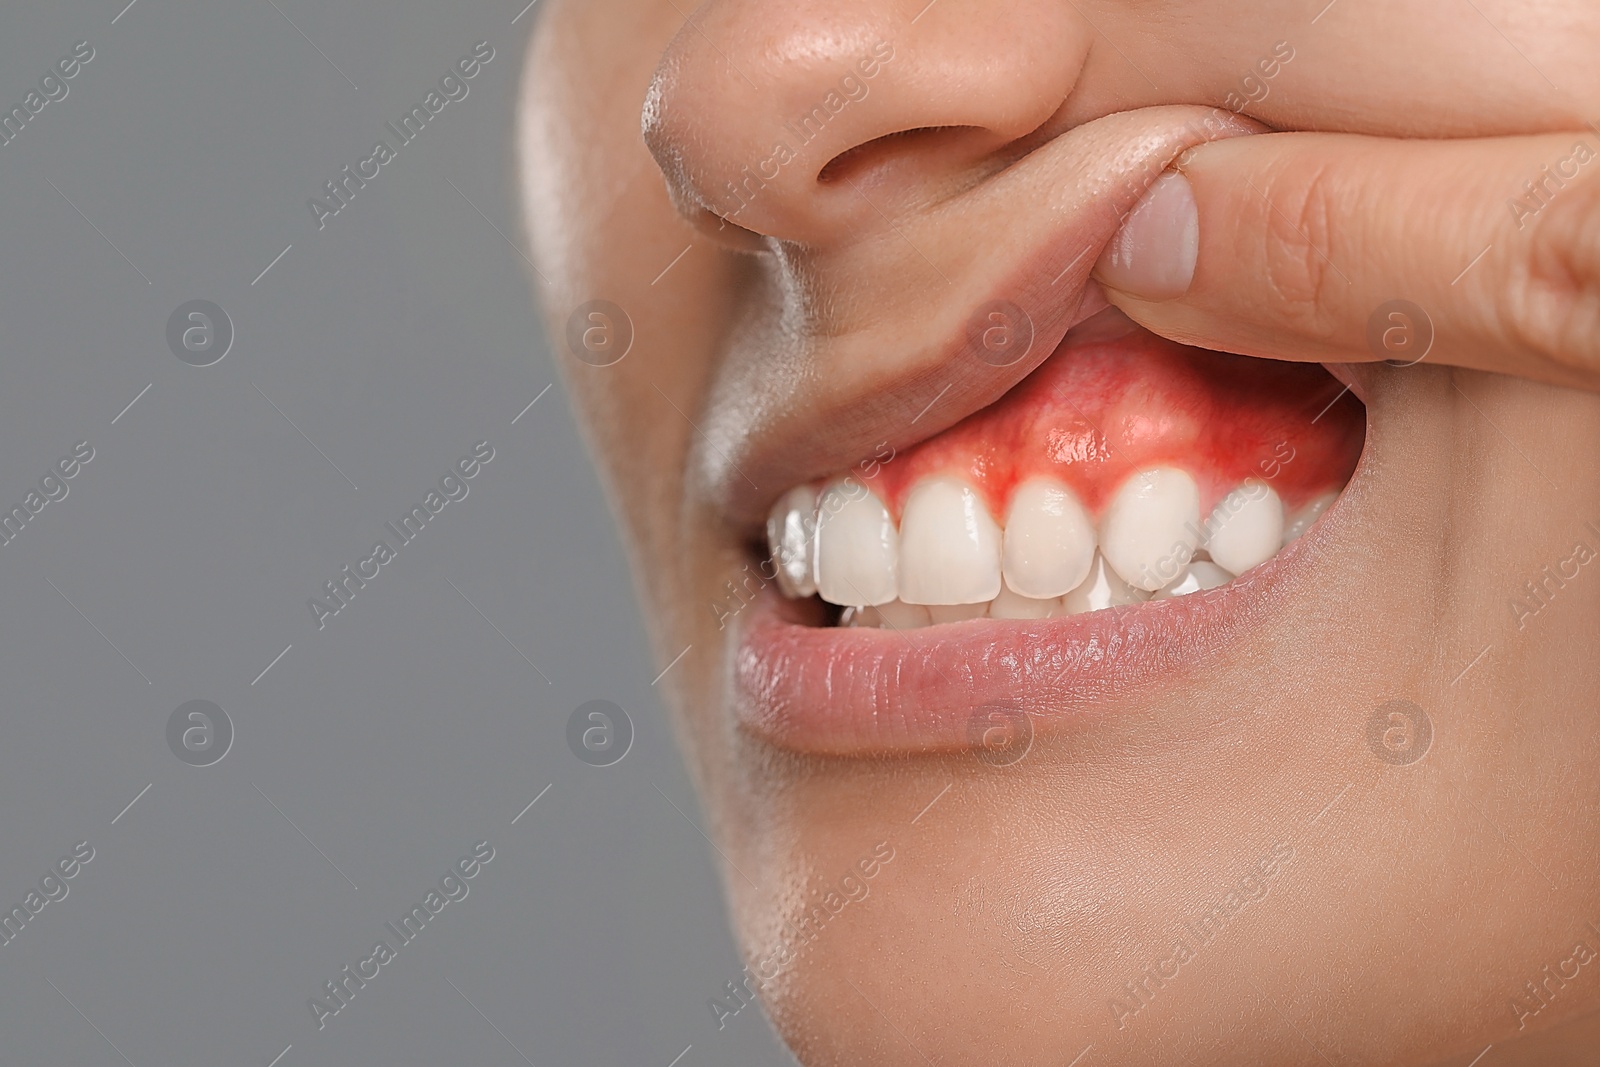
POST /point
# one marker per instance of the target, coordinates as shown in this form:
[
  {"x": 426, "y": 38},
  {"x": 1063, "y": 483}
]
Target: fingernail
[{"x": 1152, "y": 257}]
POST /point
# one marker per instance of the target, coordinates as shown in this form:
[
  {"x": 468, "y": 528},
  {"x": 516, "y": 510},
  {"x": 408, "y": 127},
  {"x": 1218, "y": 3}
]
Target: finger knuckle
[
  {"x": 1301, "y": 278},
  {"x": 1550, "y": 305}
]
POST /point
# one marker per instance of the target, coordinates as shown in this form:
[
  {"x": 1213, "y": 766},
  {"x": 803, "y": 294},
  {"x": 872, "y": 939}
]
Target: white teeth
[
  {"x": 1013, "y": 605},
  {"x": 949, "y": 561},
  {"x": 790, "y": 528},
  {"x": 1102, "y": 589},
  {"x": 949, "y": 546},
  {"x": 894, "y": 615},
  {"x": 898, "y": 615},
  {"x": 1049, "y": 541},
  {"x": 1199, "y": 575},
  {"x": 1151, "y": 527},
  {"x": 956, "y": 612},
  {"x": 1306, "y": 516},
  {"x": 857, "y": 548},
  {"x": 1246, "y": 528}
]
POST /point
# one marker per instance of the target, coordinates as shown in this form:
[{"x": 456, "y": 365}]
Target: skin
[{"x": 1419, "y": 898}]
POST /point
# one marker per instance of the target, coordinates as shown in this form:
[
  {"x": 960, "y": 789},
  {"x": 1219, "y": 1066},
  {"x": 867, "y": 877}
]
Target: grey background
[{"x": 182, "y": 558}]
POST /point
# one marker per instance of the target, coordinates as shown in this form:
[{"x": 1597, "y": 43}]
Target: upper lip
[{"x": 850, "y": 354}]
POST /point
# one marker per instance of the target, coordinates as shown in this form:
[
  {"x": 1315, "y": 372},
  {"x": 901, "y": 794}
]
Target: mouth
[
  {"x": 1116, "y": 517},
  {"x": 1093, "y": 509}
]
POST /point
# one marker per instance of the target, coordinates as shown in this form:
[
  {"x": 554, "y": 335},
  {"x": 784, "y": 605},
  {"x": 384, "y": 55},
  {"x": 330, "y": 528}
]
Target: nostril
[
  {"x": 947, "y": 147},
  {"x": 921, "y": 154},
  {"x": 766, "y": 115},
  {"x": 880, "y": 149}
]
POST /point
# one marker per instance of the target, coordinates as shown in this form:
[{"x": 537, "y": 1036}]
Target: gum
[{"x": 1096, "y": 412}]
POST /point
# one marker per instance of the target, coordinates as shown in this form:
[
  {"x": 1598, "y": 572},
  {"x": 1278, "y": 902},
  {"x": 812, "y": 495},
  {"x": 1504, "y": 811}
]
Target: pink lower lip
[{"x": 862, "y": 692}]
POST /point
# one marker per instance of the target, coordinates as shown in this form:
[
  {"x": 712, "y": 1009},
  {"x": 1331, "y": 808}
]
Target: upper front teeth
[
  {"x": 1049, "y": 540},
  {"x": 1151, "y": 528},
  {"x": 858, "y": 548},
  {"x": 1246, "y": 528},
  {"x": 949, "y": 546},
  {"x": 949, "y": 560}
]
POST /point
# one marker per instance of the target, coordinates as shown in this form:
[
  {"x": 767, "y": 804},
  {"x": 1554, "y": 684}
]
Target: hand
[{"x": 1297, "y": 245}]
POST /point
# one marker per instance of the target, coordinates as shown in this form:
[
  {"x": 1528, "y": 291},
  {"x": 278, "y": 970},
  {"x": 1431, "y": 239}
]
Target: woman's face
[{"x": 1342, "y": 809}]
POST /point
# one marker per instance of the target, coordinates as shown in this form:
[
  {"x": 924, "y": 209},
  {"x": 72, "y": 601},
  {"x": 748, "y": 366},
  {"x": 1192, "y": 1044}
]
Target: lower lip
[{"x": 865, "y": 692}]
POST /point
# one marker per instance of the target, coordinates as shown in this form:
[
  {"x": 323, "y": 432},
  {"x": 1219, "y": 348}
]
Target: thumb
[{"x": 1343, "y": 248}]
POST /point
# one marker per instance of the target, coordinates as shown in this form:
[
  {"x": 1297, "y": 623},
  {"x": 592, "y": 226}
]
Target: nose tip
[{"x": 806, "y": 122}]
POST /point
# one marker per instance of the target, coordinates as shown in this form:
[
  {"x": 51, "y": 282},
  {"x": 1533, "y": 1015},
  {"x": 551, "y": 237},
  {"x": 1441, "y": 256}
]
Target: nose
[{"x": 809, "y": 121}]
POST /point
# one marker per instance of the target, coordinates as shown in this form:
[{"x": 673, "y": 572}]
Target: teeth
[
  {"x": 1104, "y": 588},
  {"x": 957, "y": 612},
  {"x": 1199, "y": 575},
  {"x": 949, "y": 561},
  {"x": 894, "y": 615},
  {"x": 1013, "y": 605},
  {"x": 1306, "y": 516},
  {"x": 790, "y": 528},
  {"x": 857, "y": 549},
  {"x": 1049, "y": 541},
  {"x": 949, "y": 546},
  {"x": 1246, "y": 528},
  {"x": 898, "y": 615},
  {"x": 1150, "y": 529}
]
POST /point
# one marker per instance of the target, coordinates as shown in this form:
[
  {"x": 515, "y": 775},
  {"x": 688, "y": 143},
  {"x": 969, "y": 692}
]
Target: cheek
[{"x": 622, "y": 241}]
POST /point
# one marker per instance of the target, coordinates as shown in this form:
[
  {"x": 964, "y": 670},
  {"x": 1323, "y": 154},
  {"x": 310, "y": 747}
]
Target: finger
[{"x": 1341, "y": 248}]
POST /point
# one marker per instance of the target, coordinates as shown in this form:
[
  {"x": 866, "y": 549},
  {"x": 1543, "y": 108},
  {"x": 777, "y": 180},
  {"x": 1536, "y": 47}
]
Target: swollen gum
[{"x": 1095, "y": 413}]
